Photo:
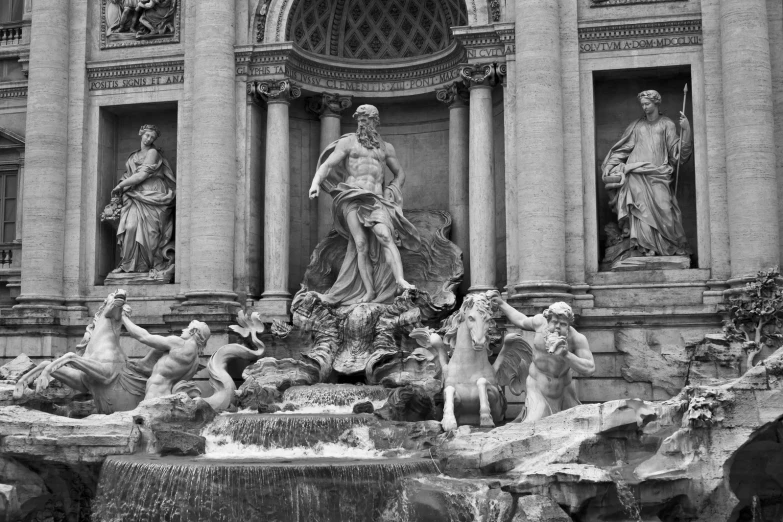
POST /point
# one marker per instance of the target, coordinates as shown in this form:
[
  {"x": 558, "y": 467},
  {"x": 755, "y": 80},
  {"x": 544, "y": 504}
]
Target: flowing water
[
  {"x": 147, "y": 489},
  {"x": 274, "y": 467}
]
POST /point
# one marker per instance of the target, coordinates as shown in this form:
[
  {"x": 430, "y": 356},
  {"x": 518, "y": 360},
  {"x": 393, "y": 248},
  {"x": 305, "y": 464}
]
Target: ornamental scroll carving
[{"x": 274, "y": 91}]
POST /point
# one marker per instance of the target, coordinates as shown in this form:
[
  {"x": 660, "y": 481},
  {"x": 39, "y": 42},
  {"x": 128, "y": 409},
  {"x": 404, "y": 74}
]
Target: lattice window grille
[{"x": 384, "y": 29}]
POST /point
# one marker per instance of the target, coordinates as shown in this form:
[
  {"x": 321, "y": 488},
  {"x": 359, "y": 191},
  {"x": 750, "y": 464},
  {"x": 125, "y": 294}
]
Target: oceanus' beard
[{"x": 368, "y": 137}]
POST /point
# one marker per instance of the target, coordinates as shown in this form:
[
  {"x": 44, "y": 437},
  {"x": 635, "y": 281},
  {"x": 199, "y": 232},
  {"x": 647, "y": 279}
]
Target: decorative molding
[
  {"x": 612, "y": 3},
  {"x": 454, "y": 95},
  {"x": 275, "y": 91},
  {"x": 111, "y": 41},
  {"x": 496, "y": 41},
  {"x": 13, "y": 91},
  {"x": 494, "y": 6},
  {"x": 328, "y": 104},
  {"x": 263, "y": 12},
  {"x": 655, "y": 35},
  {"x": 479, "y": 75},
  {"x": 127, "y": 75},
  {"x": 319, "y": 73}
]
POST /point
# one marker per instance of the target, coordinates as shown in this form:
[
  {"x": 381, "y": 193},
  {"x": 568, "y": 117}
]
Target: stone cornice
[
  {"x": 118, "y": 75},
  {"x": 655, "y": 35},
  {"x": 612, "y": 3},
  {"x": 496, "y": 41},
  {"x": 317, "y": 73},
  {"x": 13, "y": 90}
]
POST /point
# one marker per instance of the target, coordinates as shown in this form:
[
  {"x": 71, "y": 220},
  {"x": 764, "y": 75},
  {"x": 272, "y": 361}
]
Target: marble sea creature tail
[{"x": 219, "y": 379}]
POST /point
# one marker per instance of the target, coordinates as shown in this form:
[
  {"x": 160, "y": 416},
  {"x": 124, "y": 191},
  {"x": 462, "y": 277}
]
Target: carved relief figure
[
  {"x": 558, "y": 350},
  {"x": 638, "y": 172},
  {"x": 368, "y": 214},
  {"x": 145, "y": 198},
  {"x": 179, "y": 356},
  {"x": 140, "y": 18}
]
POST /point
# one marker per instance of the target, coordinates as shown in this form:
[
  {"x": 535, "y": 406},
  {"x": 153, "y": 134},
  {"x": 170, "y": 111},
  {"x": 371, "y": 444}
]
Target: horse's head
[
  {"x": 476, "y": 314},
  {"x": 113, "y": 306}
]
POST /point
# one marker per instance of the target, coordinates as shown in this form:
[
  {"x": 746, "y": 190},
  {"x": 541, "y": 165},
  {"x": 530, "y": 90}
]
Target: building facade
[{"x": 501, "y": 112}]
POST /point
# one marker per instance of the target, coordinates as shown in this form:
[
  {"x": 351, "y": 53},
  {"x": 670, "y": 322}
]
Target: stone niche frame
[
  {"x": 614, "y": 61},
  {"x": 106, "y": 43},
  {"x": 118, "y": 127},
  {"x": 615, "y": 100}
]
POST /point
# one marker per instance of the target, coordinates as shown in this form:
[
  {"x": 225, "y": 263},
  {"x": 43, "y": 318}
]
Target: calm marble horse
[
  {"x": 473, "y": 392},
  {"x": 103, "y": 370}
]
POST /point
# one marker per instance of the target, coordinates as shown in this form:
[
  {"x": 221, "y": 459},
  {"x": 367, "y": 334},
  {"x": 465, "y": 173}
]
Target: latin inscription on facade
[
  {"x": 640, "y": 36},
  {"x": 134, "y": 76}
]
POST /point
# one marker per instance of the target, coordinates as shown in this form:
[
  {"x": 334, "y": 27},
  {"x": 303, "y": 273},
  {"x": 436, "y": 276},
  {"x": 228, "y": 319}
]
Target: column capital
[
  {"x": 479, "y": 75},
  {"x": 328, "y": 104},
  {"x": 455, "y": 95},
  {"x": 274, "y": 91}
]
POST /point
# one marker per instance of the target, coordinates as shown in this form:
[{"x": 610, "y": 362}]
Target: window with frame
[
  {"x": 11, "y": 11},
  {"x": 9, "y": 176}
]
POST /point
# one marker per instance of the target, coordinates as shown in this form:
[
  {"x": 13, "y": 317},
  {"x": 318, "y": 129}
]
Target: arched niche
[{"x": 272, "y": 17}]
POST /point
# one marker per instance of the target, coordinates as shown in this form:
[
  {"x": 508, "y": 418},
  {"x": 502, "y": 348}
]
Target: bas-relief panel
[{"x": 131, "y": 23}]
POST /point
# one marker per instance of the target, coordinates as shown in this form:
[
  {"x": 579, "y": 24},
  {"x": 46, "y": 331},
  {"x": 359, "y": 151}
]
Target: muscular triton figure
[
  {"x": 368, "y": 214},
  {"x": 557, "y": 349},
  {"x": 180, "y": 359}
]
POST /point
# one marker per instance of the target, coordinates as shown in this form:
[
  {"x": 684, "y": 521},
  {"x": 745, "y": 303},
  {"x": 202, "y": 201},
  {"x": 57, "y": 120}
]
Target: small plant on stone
[{"x": 756, "y": 315}]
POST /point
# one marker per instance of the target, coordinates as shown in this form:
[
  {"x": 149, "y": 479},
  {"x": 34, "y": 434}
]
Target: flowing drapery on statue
[
  {"x": 367, "y": 213},
  {"x": 371, "y": 209},
  {"x": 146, "y": 223},
  {"x": 640, "y": 167},
  {"x": 142, "y": 207}
]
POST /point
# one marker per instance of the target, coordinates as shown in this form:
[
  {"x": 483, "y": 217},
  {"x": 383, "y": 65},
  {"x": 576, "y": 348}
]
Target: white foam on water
[
  {"x": 222, "y": 447},
  {"x": 330, "y": 408}
]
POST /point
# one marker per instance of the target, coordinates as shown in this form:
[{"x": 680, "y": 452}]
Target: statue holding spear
[{"x": 638, "y": 172}]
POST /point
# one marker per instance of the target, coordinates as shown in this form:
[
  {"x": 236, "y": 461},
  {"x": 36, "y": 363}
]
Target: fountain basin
[{"x": 149, "y": 489}]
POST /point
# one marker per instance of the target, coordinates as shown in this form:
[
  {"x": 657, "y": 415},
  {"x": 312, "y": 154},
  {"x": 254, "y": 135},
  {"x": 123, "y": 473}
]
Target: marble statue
[
  {"x": 368, "y": 214},
  {"x": 103, "y": 369},
  {"x": 179, "y": 355},
  {"x": 472, "y": 387},
  {"x": 558, "y": 350},
  {"x": 639, "y": 172},
  {"x": 141, "y": 18},
  {"x": 143, "y": 209}
]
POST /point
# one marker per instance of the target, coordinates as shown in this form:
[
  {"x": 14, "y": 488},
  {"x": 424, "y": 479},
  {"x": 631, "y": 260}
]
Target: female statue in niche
[
  {"x": 144, "y": 200},
  {"x": 638, "y": 172}
]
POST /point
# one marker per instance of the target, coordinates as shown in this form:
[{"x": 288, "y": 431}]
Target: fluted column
[
  {"x": 276, "y": 300},
  {"x": 540, "y": 166},
  {"x": 46, "y": 153},
  {"x": 481, "y": 184},
  {"x": 213, "y": 172},
  {"x": 456, "y": 97},
  {"x": 328, "y": 108},
  {"x": 749, "y": 129}
]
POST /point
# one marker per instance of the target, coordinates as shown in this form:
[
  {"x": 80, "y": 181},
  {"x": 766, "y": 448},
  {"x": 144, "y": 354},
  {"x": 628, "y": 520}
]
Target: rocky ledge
[{"x": 708, "y": 454}]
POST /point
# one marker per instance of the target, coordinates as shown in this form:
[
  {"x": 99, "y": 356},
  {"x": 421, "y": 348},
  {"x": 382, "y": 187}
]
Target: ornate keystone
[
  {"x": 328, "y": 104},
  {"x": 475, "y": 75},
  {"x": 455, "y": 95},
  {"x": 275, "y": 91}
]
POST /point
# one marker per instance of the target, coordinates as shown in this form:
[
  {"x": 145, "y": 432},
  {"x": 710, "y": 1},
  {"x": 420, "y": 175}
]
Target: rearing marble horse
[
  {"x": 103, "y": 369},
  {"x": 472, "y": 389}
]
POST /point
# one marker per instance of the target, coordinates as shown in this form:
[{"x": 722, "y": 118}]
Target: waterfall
[{"x": 148, "y": 489}]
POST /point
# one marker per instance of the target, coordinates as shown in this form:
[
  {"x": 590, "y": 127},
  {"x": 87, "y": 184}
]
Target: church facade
[{"x": 501, "y": 113}]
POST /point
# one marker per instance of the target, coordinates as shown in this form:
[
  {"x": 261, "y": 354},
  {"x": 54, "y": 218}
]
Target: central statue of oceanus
[{"x": 365, "y": 212}]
